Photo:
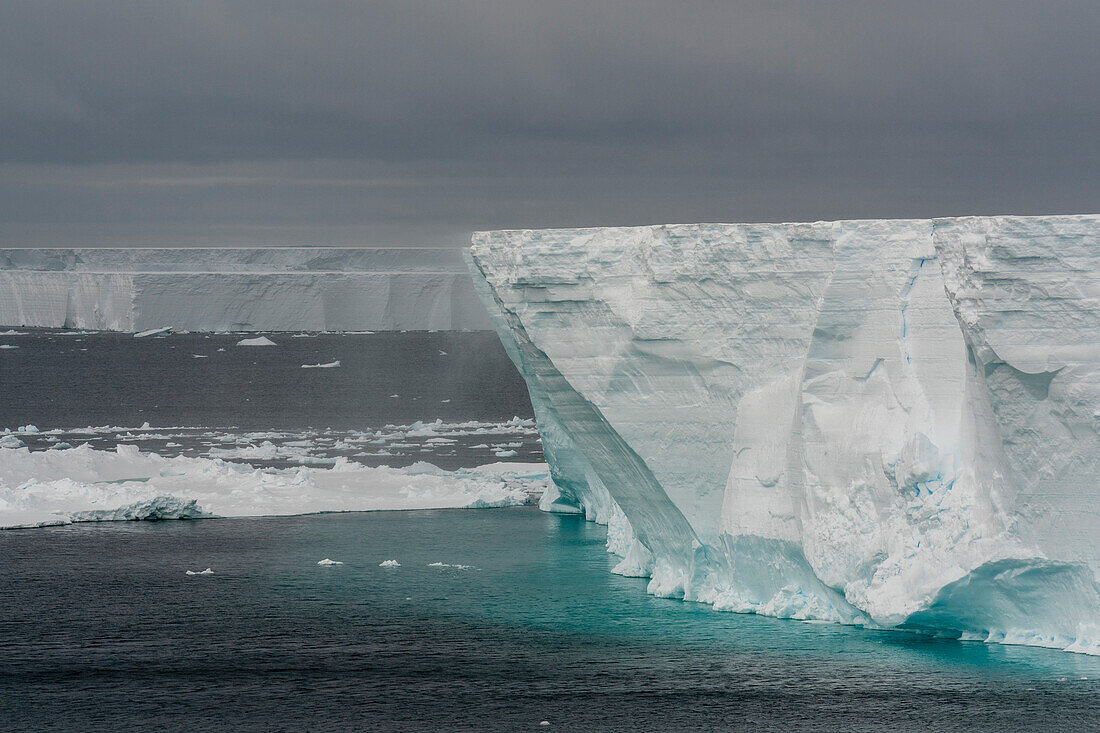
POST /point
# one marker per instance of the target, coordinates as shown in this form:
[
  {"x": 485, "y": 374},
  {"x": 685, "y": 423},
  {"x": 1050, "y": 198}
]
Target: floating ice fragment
[
  {"x": 199, "y": 356},
  {"x": 329, "y": 365},
  {"x": 395, "y": 395},
  {"x": 389, "y": 564},
  {"x": 442, "y": 352},
  {"x": 8, "y": 346},
  {"x": 327, "y": 561},
  {"x": 10, "y": 441},
  {"x": 448, "y": 565},
  {"x": 258, "y": 341},
  {"x": 208, "y": 571},
  {"x": 27, "y": 429},
  {"x": 505, "y": 454},
  {"x": 153, "y": 332}
]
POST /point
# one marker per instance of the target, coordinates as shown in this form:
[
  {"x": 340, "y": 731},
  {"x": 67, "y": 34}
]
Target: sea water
[
  {"x": 492, "y": 620},
  {"x": 102, "y": 627}
]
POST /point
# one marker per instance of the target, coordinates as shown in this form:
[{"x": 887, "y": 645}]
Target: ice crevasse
[{"x": 893, "y": 423}]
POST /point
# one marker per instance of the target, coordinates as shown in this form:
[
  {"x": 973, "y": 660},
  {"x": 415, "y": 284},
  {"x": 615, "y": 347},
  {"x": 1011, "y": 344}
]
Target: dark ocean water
[
  {"x": 202, "y": 391},
  {"x": 100, "y": 628},
  {"x": 59, "y": 381}
]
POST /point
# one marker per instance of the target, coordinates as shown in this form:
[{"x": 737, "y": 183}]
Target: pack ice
[{"x": 888, "y": 423}]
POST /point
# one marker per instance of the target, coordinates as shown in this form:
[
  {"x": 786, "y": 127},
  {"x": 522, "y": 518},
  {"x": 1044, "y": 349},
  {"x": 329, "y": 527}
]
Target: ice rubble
[
  {"x": 39, "y": 488},
  {"x": 238, "y": 289},
  {"x": 891, "y": 423}
]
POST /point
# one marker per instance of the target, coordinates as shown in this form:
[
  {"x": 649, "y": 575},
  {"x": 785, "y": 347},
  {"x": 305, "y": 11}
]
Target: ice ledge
[{"x": 894, "y": 423}]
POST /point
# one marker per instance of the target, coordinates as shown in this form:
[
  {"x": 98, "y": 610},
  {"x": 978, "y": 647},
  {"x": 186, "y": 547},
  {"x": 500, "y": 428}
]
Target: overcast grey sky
[{"x": 331, "y": 122}]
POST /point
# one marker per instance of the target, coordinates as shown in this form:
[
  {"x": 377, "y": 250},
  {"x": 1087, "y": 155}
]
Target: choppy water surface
[{"x": 102, "y": 628}]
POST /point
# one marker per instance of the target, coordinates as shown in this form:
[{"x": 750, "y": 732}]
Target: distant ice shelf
[
  {"x": 887, "y": 423},
  {"x": 235, "y": 289}
]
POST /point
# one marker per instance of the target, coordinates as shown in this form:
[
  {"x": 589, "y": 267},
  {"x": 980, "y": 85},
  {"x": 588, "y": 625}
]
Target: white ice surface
[
  {"x": 83, "y": 484},
  {"x": 892, "y": 423},
  {"x": 257, "y": 341}
]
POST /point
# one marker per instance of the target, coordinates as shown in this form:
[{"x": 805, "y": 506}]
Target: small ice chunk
[
  {"x": 199, "y": 356},
  {"x": 442, "y": 352},
  {"x": 389, "y": 564},
  {"x": 208, "y": 571},
  {"x": 445, "y": 401},
  {"x": 10, "y": 441},
  {"x": 544, "y": 722},
  {"x": 258, "y": 341},
  {"x": 61, "y": 446},
  {"x": 505, "y": 454},
  {"x": 165, "y": 330},
  {"x": 8, "y": 346},
  {"x": 329, "y": 365},
  {"x": 27, "y": 429},
  {"x": 448, "y": 565},
  {"x": 395, "y": 395},
  {"x": 327, "y": 561}
]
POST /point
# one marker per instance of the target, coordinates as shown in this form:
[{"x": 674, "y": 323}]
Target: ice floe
[
  {"x": 257, "y": 341},
  {"x": 86, "y": 484}
]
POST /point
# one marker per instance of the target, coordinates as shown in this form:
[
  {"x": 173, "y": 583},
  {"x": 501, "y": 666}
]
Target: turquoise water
[{"x": 101, "y": 628}]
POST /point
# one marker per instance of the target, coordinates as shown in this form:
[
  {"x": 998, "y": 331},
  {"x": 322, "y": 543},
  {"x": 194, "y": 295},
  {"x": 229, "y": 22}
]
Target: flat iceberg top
[{"x": 870, "y": 421}]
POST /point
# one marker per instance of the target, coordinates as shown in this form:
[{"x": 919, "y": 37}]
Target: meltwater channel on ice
[{"x": 882, "y": 423}]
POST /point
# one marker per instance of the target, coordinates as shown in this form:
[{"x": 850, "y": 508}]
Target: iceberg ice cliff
[
  {"x": 239, "y": 289},
  {"x": 889, "y": 423}
]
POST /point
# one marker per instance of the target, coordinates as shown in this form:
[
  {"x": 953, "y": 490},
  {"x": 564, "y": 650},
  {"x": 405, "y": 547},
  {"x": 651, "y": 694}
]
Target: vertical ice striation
[{"x": 882, "y": 422}]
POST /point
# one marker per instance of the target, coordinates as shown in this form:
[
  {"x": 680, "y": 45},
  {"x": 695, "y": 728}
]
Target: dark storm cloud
[{"x": 375, "y": 121}]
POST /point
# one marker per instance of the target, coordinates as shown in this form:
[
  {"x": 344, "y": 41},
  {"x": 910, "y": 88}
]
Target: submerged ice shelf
[{"x": 890, "y": 423}]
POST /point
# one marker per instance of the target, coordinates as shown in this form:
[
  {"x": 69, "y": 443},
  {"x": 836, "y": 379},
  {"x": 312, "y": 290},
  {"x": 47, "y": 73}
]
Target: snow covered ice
[
  {"x": 40, "y": 488},
  {"x": 257, "y": 341},
  {"x": 888, "y": 423}
]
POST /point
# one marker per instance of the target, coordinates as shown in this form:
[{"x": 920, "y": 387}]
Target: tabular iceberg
[
  {"x": 890, "y": 423},
  {"x": 239, "y": 289}
]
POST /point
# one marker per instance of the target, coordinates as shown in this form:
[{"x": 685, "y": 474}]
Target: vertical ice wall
[
  {"x": 260, "y": 289},
  {"x": 843, "y": 420}
]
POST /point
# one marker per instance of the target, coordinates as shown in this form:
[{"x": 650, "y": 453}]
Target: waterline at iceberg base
[{"x": 893, "y": 423}]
